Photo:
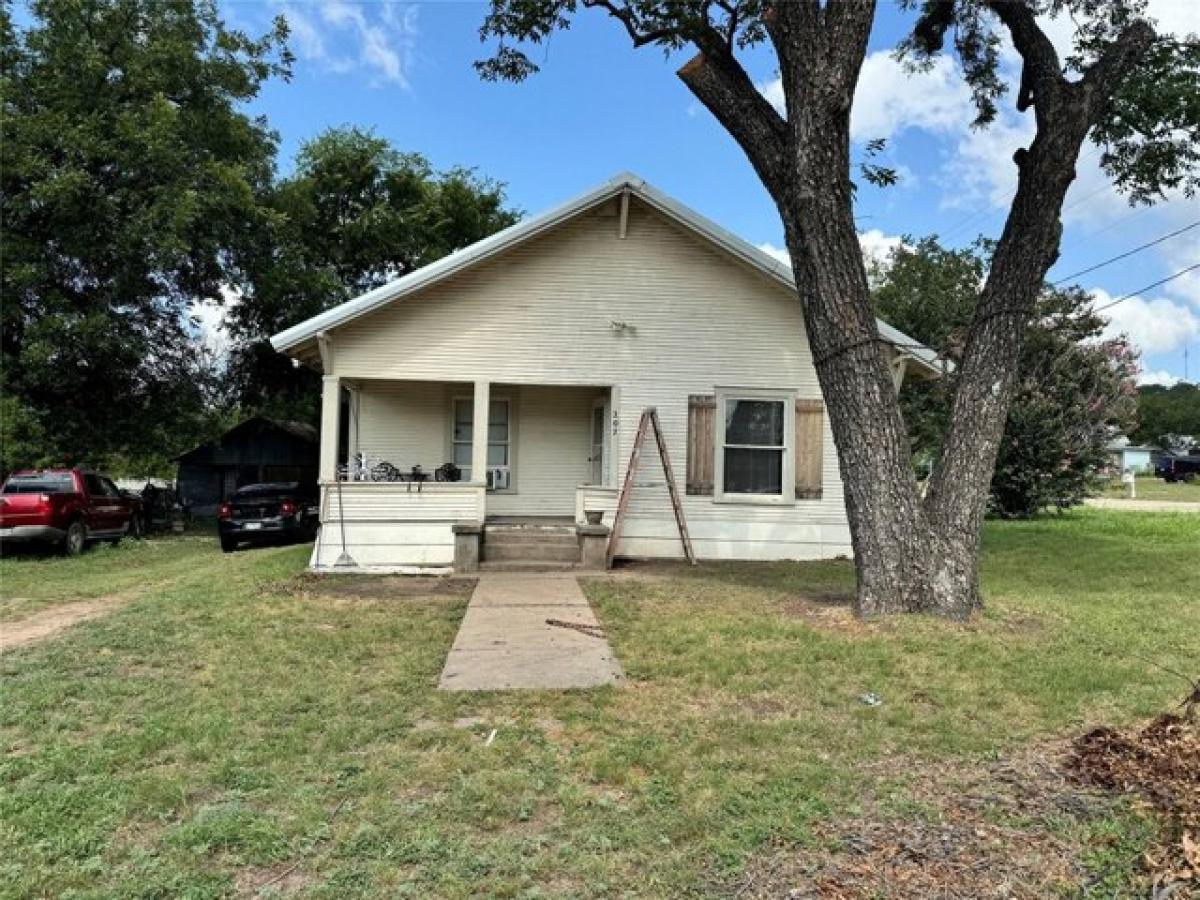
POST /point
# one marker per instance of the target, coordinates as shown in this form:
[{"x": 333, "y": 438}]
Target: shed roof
[
  {"x": 292, "y": 339},
  {"x": 299, "y": 430}
]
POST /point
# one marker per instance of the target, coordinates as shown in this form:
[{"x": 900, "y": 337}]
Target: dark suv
[
  {"x": 1172, "y": 467},
  {"x": 268, "y": 513}
]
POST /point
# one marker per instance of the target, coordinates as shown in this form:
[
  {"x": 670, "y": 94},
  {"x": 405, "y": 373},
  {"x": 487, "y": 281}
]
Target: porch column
[
  {"x": 331, "y": 397},
  {"x": 479, "y": 432},
  {"x": 354, "y": 392}
]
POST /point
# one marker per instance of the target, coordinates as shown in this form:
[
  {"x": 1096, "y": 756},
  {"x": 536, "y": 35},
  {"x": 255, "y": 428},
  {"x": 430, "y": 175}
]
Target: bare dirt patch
[
  {"x": 1011, "y": 828},
  {"x": 280, "y": 880},
  {"x": 384, "y": 587},
  {"x": 831, "y": 611},
  {"x": 994, "y": 830},
  {"x": 49, "y": 622}
]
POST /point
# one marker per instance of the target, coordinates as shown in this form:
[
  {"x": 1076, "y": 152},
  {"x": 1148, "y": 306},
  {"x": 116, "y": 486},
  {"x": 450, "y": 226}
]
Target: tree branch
[
  {"x": 719, "y": 82},
  {"x": 1104, "y": 76},
  {"x": 1041, "y": 74},
  {"x": 783, "y": 18},
  {"x": 626, "y": 16},
  {"x": 1066, "y": 111}
]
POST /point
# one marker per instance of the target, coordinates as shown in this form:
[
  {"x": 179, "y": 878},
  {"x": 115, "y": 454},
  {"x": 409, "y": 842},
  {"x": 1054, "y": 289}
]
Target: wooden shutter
[
  {"x": 810, "y": 430},
  {"x": 702, "y": 413}
]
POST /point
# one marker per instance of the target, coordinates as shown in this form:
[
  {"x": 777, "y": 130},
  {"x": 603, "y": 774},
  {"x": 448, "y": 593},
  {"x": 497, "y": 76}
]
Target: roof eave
[{"x": 292, "y": 339}]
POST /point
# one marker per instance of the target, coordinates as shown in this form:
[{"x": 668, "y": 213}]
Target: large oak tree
[
  {"x": 1124, "y": 87},
  {"x": 354, "y": 214},
  {"x": 130, "y": 170}
]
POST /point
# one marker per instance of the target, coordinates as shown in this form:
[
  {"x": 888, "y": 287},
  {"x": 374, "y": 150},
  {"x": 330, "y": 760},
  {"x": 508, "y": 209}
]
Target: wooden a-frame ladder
[{"x": 649, "y": 419}]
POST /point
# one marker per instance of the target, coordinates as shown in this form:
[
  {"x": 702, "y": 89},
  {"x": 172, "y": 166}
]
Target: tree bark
[{"x": 910, "y": 554}]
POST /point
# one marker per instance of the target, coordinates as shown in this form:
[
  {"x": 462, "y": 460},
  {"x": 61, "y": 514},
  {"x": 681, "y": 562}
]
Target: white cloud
[
  {"x": 780, "y": 253},
  {"x": 211, "y": 322},
  {"x": 1155, "y": 326},
  {"x": 1176, "y": 17},
  {"x": 342, "y": 37},
  {"x": 1160, "y": 376},
  {"x": 889, "y": 99},
  {"x": 981, "y": 169},
  {"x": 1180, "y": 253},
  {"x": 876, "y": 247},
  {"x": 773, "y": 91}
]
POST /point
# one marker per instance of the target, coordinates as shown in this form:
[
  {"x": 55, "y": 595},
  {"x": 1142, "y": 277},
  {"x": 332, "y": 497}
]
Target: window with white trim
[
  {"x": 755, "y": 435},
  {"x": 499, "y": 437}
]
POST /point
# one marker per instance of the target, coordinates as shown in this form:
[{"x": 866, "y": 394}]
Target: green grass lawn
[
  {"x": 238, "y": 723},
  {"x": 1151, "y": 488},
  {"x": 33, "y": 579}
]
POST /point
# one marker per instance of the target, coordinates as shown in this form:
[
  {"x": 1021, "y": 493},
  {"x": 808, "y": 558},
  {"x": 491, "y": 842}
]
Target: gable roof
[{"x": 626, "y": 182}]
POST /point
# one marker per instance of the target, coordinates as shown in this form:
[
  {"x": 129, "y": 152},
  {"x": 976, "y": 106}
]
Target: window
[
  {"x": 40, "y": 483},
  {"x": 753, "y": 457},
  {"x": 499, "y": 436},
  {"x": 95, "y": 486}
]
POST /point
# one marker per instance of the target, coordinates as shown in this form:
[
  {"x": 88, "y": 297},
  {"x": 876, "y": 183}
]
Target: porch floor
[{"x": 529, "y": 520}]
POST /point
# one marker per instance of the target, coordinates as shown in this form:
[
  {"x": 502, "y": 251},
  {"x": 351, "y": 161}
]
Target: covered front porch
[{"x": 410, "y": 469}]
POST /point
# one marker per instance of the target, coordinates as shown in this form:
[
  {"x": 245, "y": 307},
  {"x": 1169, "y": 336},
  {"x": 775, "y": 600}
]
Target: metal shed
[{"x": 254, "y": 451}]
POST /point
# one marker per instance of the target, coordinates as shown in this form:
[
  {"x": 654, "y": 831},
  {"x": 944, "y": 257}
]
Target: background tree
[
  {"x": 1074, "y": 392},
  {"x": 1124, "y": 87},
  {"x": 129, "y": 173},
  {"x": 1167, "y": 414},
  {"x": 355, "y": 214}
]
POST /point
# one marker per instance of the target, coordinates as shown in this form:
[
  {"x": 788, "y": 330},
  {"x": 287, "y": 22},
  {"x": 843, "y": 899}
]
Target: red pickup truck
[{"x": 66, "y": 507}]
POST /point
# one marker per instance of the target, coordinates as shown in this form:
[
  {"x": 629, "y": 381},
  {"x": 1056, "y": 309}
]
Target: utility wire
[
  {"x": 1140, "y": 290},
  {"x": 1109, "y": 305},
  {"x": 1075, "y": 242},
  {"x": 1127, "y": 253},
  {"x": 974, "y": 220}
]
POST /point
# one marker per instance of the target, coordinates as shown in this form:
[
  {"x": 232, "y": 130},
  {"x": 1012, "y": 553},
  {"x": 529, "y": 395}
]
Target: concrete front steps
[{"x": 526, "y": 547}]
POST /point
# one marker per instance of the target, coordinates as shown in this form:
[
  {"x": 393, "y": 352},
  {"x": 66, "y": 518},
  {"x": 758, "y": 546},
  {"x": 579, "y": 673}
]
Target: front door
[{"x": 599, "y": 420}]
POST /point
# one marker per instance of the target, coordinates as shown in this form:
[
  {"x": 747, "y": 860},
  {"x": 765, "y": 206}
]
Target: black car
[
  {"x": 1172, "y": 467},
  {"x": 268, "y": 513}
]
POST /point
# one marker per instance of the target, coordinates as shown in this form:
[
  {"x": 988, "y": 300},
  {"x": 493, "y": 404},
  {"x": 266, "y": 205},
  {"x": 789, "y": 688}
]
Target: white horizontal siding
[
  {"x": 593, "y": 497},
  {"x": 405, "y": 423},
  {"x": 553, "y": 439},
  {"x": 697, "y": 320},
  {"x": 388, "y": 525}
]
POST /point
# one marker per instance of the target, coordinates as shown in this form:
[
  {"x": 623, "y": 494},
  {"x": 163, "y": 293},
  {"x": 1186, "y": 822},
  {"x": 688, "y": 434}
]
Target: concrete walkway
[
  {"x": 505, "y": 642},
  {"x": 1143, "y": 505}
]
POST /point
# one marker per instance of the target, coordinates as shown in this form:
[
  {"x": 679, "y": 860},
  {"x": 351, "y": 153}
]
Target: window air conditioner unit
[{"x": 498, "y": 478}]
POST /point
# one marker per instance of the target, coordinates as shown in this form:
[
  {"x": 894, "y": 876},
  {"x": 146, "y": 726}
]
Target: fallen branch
[
  {"x": 294, "y": 866},
  {"x": 595, "y": 631}
]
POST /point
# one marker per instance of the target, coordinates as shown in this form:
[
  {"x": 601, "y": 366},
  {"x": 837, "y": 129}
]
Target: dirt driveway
[{"x": 51, "y": 621}]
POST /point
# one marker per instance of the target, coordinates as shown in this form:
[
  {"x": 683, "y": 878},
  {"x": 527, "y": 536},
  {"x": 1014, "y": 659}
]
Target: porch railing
[{"x": 392, "y": 525}]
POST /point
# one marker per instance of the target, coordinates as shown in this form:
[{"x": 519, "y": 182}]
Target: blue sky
[{"x": 599, "y": 107}]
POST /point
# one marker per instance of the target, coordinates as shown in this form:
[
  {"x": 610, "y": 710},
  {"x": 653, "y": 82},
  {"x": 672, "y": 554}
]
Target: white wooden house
[{"x": 527, "y": 359}]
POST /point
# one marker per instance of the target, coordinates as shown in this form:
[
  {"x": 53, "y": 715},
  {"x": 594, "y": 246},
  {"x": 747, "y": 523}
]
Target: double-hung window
[
  {"x": 499, "y": 440},
  {"x": 755, "y": 431}
]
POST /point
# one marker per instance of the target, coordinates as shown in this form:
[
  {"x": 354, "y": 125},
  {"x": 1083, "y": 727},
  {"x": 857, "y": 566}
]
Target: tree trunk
[
  {"x": 888, "y": 526},
  {"x": 910, "y": 555}
]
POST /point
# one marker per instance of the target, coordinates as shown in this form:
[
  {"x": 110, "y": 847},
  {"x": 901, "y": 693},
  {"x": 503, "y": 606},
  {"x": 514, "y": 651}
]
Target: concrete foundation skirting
[
  {"x": 593, "y": 547},
  {"x": 467, "y": 536}
]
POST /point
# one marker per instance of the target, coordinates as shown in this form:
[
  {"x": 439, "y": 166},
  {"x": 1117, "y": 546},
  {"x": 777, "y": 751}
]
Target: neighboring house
[
  {"x": 1127, "y": 457},
  {"x": 254, "y": 451},
  {"x": 527, "y": 359}
]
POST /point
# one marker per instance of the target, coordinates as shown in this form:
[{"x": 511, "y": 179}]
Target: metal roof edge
[
  {"x": 521, "y": 231},
  {"x": 448, "y": 265}
]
